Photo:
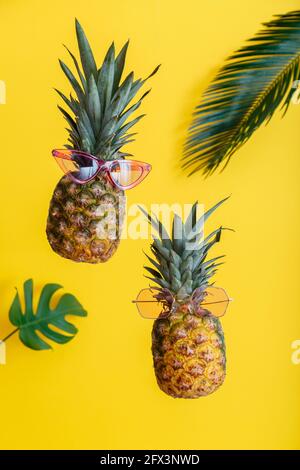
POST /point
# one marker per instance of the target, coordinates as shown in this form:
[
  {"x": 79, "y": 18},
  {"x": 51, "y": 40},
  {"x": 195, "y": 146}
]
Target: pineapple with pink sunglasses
[{"x": 87, "y": 208}]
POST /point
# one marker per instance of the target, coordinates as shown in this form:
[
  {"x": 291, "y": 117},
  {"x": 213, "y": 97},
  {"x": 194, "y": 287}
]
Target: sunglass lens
[
  {"x": 82, "y": 167},
  {"x": 66, "y": 164},
  {"x": 126, "y": 173},
  {"x": 216, "y": 301},
  {"x": 86, "y": 167},
  {"x": 148, "y": 306}
]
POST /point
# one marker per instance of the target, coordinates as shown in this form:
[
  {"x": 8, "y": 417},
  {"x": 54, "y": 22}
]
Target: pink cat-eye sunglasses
[{"x": 83, "y": 167}]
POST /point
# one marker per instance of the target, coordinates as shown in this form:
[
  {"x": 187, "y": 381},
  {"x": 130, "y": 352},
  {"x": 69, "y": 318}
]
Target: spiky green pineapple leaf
[
  {"x": 110, "y": 61},
  {"x": 158, "y": 245},
  {"x": 159, "y": 228},
  {"x": 105, "y": 79},
  {"x": 139, "y": 83},
  {"x": 120, "y": 99},
  {"x": 161, "y": 267},
  {"x": 74, "y": 82},
  {"x": 161, "y": 282},
  {"x": 198, "y": 226},
  {"x": 123, "y": 130},
  {"x": 86, "y": 55},
  {"x": 80, "y": 74},
  {"x": 198, "y": 263},
  {"x": 36, "y": 327},
  {"x": 69, "y": 119},
  {"x": 187, "y": 264},
  {"x": 86, "y": 131},
  {"x": 152, "y": 73},
  {"x": 154, "y": 272},
  {"x": 246, "y": 92},
  {"x": 152, "y": 261},
  {"x": 191, "y": 218},
  {"x": 119, "y": 66},
  {"x": 127, "y": 112},
  {"x": 65, "y": 99},
  {"x": 178, "y": 234},
  {"x": 94, "y": 105}
]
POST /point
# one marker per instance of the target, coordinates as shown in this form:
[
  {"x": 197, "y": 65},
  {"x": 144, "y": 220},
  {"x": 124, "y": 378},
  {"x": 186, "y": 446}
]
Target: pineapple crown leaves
[
  {"x": 179, "y": 262},
  {"x": 102, "y": 104},
  {"x": 32, "y": 325}
]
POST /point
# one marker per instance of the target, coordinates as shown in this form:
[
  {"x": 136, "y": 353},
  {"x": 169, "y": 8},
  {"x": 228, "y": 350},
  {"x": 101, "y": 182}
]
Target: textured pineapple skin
[
  {"x": 188, "y": 354},
  {"x": 85, "y": 221}
]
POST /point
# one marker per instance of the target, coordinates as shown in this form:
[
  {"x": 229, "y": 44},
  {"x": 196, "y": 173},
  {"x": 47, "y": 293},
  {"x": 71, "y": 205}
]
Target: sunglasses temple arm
[
  {"x": 204, "y": 303},
  {"x": 217, "y": 302}
]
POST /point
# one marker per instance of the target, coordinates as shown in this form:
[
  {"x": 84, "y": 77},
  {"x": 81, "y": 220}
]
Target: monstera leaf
[
  {"x": 254, "y": 82},
  {"x": 33, "y": 326}
]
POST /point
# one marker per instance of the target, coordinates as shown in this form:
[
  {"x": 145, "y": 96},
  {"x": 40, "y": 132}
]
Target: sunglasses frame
[
  {"x": 102, "y": 166},
  {"x": 230, "y": 299}
]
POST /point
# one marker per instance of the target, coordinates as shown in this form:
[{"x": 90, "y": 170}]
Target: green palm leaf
[
  {"x": 246, "y": 92},
  {"x": 35, "y": 325}
]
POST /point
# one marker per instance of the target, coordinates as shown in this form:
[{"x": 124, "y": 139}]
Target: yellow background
[{"x": 99, "y": 391}]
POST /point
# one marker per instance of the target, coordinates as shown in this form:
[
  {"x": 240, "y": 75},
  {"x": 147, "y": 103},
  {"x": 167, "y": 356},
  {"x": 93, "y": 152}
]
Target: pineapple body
[
  {"x": 188, "y": 353},
  {"x": 85, "y": 221}
]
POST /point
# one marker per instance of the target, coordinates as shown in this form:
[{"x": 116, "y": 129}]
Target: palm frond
[{"x": 246, "y": 92}]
